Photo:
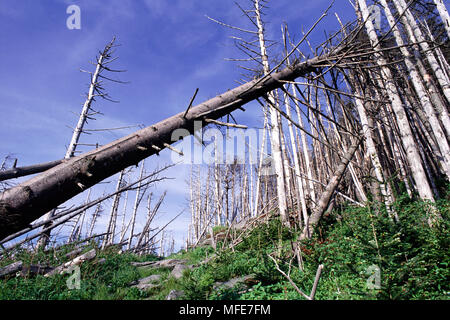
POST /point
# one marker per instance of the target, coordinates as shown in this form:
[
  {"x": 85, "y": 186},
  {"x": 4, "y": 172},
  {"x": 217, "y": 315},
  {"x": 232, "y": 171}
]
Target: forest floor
[{"x": 364, "y": 253}]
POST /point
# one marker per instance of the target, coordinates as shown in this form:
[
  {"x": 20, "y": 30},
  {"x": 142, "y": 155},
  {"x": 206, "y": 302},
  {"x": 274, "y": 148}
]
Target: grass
[{"x": 351, "y": 242}]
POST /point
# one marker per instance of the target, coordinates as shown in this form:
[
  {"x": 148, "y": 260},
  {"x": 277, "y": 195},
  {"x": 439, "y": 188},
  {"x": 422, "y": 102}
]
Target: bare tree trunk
[
  {"x": 94, "y": 219},
  {"x": 135, "y": 207},
  {"x": 274, "y": 128},
  {"x": 444, "y": 15},
  {"x": 72, "y": 235},
  {"x": 305, "y": 150},
  {"x": 421, "y": 92},
  {"x": 412, "y": 154},
  {"x": 260, "y": 166},
  {"x": 301, "y": 192},
  {"x": 124, "y": 214},
  {"x": 28, "y": 170},
  {"x": 109, "y": 239},
  {"x": 410, "y": 20},
  {"x": 326, "y": 196}
]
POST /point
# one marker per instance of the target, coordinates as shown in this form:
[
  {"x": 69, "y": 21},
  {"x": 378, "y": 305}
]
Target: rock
[
  {"x": 178, "y": 270},
  {"x": 207, "y": 260},
  {"x": 175, "y": 294},
  {"x": 169, "y": 263},
  {"x": 148, "y": 282},
  {"x": 246, "y": 281},
  {"x": 146, "y": 286},
  {"x": 151, "y": 279}
]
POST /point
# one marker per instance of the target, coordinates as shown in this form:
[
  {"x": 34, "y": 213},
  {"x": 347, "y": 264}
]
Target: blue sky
[{"x": 169, "y": 48}]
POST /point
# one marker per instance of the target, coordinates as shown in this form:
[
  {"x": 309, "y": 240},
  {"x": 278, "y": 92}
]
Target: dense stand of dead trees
[
  {"x": 365, "y": 118},
  {"x": 388, "y": 87}
]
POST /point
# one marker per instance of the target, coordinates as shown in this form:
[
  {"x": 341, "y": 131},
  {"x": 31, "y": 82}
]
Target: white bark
[
  {"x": 300, "y": 190},
  {"x": 113, "y": 214},
  {"x": 444, "y": 15},
  {"x": 84, "y": 112},
  {"x": 135, "y": 206},
  {"x": 434, "y": 93},
  {"x": 435, "y": 66},
  {"x": 274, "y": 128},
  {"x": 260, "y": 165},
  {"x": 412, "y": 152},
  {"x": 305, "y": 151},
  {"x": 424, "y": 100},
  {"x": 80, "y": 217},
  {"x": 77, "y": 261}
]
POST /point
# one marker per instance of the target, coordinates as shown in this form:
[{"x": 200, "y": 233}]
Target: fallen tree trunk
[
  {"x": 24, "y": 271},
  {"x": 25, "y": 171},
  {"x": 75, "y": 262},
  {"x": 21, "y": 205},
  {"x": 11, "y": 269},
  {"x": 35, "y": 269},
  {"x": 324, "y": 200}
]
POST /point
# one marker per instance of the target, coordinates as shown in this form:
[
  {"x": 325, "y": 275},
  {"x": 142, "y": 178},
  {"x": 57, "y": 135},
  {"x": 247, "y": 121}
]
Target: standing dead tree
[{"x": 87, "y": 112}]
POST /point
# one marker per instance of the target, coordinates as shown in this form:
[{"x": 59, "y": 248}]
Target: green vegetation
[
  {"x": 351, "y": 242},
  {"x": 99, "y": 281}
]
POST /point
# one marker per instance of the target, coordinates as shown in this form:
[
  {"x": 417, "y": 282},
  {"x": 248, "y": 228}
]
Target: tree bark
[
  {"x": 28, "y": 170},
  {"x": 135, "y": 207},
  {"x": 275, "y": 140},
  {"x": 444, "y": 15},
  {"x": 326, "y": 196},
  {"x": 401, "y": 7}
]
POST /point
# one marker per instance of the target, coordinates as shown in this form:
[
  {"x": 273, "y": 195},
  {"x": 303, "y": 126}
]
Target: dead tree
[
  {"x": 109, "y": 239},
  {"x": 87, "y": 112}
]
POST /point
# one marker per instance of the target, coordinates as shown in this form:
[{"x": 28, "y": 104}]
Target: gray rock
[
  {"x": 234, "y": 282},
  {"x": 146, "y": 286},
  {"x": 151, "y": 279},
  {"x": 169, "y": 263},
  {"x": 175, "y": 294},
  {"x": 148, "y": 282},
  {"x": 178, "y": 270}
]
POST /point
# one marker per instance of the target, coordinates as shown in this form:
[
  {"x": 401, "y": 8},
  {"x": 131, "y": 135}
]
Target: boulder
[
  {"x": 175, "y": 294},
  {"x": 245, "y": 281},
  {"x": 148, "y": 282},
  {"x": 169, "y": 263},
  {"x": 178, "y": 270}
]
